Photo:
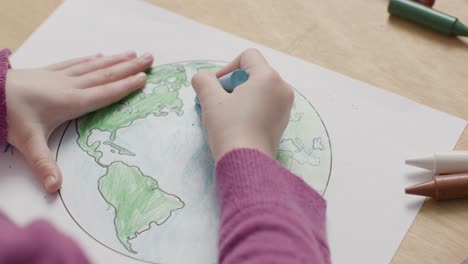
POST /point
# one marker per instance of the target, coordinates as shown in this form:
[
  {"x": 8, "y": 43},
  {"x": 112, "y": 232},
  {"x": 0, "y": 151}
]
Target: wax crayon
[
  {"x": 442, "y": 187},
  {"x": 426, "y": 2},
  {"x": 230, "y": 81},
  {"x": 428, "y": 17},
  {"x": 443, "y": 162}
]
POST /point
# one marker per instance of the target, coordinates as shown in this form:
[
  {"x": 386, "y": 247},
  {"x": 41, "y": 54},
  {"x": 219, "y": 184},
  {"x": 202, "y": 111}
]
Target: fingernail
[
  {"x": 140, "y": 76},
  {"x": 146, "y": 56},
  {"x": 49, "y": 182}
]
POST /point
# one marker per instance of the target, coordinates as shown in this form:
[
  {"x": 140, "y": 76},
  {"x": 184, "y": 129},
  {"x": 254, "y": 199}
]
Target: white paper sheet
[{"x": 371, "y": 131}]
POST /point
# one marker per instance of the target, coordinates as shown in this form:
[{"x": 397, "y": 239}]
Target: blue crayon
[{"x": 230, "y": 81}]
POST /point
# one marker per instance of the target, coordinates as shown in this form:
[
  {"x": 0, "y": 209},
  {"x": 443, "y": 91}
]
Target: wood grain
[
  {"x": 355, "y": 38},
  {"x": 19, "y": 18}
]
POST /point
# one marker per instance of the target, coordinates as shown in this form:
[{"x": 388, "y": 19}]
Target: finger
[
  {"x": 207, "y": 87},
  {"x": 117, "y": 72},
  {"x": 104, "y": 95},
  {"x": 38, "y": 155},
  {"x": 101, "y": 63},
  {"x": 247, "y": 60},
  {"x": 69, "y": 63}
]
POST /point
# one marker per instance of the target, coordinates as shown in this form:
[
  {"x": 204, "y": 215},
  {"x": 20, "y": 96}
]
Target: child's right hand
[{"x": 255, "y": 115}]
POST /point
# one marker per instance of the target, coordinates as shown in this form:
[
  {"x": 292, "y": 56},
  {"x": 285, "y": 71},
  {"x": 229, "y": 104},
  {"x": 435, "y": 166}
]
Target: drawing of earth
[{"x": 138, "y": 175}]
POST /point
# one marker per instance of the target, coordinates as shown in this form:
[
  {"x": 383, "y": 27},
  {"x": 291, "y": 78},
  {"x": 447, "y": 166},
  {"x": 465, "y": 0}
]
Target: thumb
[
  {"x": 39, "y": 157},
  {"x": 207, "y": 87}
]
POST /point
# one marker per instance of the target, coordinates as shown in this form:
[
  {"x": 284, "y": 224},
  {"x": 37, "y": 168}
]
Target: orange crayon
[{"x": 442, "y": 187}]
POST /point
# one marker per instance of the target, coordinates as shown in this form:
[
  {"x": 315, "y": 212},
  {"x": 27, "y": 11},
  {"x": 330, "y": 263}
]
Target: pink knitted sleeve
[
  {"x": 268, "y": 214},
  {"x": 37, "y": 243},
  {"x": 4, "y": 66}
]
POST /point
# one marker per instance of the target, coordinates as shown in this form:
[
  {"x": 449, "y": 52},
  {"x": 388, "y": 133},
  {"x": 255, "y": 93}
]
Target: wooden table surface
[{"x": 356, "y": 38}]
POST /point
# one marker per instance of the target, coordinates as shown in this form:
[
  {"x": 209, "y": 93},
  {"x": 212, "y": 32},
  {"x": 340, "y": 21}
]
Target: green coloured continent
[
  {"x": 172, "y": 75},
  {"x": 201, "y": 65},
  {"x": 120, "y": 150},
  {"x": 137, "y": 199},
  {"x": 166, "y": 82},
  {"x": 285, "y": 157}
]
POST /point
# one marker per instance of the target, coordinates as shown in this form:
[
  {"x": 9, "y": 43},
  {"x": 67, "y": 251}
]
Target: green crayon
[{"x": 428, "y": 17}]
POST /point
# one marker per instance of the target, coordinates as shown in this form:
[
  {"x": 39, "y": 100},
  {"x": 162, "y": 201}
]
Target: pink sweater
[
  {"x": 4, "y": 66},
  {"x": 268, "y": 215}
]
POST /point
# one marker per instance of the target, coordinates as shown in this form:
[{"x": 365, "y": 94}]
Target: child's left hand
[{"x": 39, "y": 100}]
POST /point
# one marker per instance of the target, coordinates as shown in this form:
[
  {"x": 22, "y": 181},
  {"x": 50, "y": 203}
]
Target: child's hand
[
  {"x": 39, "y": 100},
  {"x": 253, "y": 116}
]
